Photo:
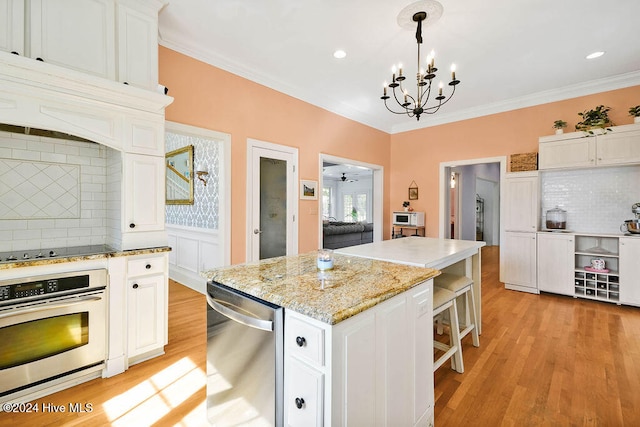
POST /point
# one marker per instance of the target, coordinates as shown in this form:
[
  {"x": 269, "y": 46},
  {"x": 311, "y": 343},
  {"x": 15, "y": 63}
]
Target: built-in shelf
[{"x": 599, "y": 285}]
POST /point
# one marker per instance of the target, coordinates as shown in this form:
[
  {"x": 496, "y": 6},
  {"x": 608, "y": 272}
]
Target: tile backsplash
[
  {"x": 597, "y": 200},
  {"x": 53, "y": 192}
]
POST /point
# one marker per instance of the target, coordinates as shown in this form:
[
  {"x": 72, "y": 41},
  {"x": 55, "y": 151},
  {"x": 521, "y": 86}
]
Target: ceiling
[
  {"x": 351, "y": 173},
  {"x": 509, "y": 54}
]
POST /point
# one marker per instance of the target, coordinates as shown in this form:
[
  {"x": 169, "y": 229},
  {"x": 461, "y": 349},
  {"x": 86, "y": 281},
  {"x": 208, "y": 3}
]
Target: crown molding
[{"x": 347, "y": 111}]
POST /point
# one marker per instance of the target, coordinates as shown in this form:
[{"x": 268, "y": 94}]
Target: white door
[{"x": 272, "y": 200}]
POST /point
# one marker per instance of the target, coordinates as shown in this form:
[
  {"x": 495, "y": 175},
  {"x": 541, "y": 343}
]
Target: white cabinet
[
  {"x": 113, "y": 39},
  {"x": 555, "y": 263},
  {"x": 618, "y": 148},
  {"x": 630, "y": 270},
  {"x": 137, "y": 44},
  {"x": 147, "y": 289},
  {"x": 574, "y": 150},
  {"x": 144, "y": 135},
  {"x": 375, "y": 368},
  {"x": 12, "y": 26},
  {"x": 143, "y": 186},
  {"x": 521, "y": 201},
  {"x": 519, "y": 224},
  {"x": 77, "y": 34},
  {"x": 518, "y": 261},
  {"x": 570, "y": 153}
]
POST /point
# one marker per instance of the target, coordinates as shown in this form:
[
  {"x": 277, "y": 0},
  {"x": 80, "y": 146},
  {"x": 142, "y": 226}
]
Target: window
[
  {"x": 327, "y": 206},
  {"x": 355, "y": 207}
]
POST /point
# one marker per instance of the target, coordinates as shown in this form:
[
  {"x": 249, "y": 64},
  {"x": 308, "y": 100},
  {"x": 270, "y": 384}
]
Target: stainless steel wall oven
[{"x": 51, "y": 327}]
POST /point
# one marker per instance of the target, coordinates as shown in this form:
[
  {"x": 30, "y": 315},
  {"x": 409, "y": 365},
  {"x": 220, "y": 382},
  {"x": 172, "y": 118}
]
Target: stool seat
[
  {"x": 462, "y": 287},
  {"x": 444, "y": 299},
  {"x": 453, "y": 282}
]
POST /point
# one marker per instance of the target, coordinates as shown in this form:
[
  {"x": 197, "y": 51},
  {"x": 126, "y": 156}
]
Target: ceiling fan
[{"x": 345, "y": 179}]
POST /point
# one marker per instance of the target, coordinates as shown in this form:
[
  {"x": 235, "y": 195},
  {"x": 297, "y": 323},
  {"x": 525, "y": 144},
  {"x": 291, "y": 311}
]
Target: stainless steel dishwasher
[{"x": 244, "y": 359}]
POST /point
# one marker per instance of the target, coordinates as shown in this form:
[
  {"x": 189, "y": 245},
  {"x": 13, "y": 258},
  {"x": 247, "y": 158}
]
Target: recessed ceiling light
[
  {"x": 595, "y": 55},
  {"x": 339, "y": 54}
]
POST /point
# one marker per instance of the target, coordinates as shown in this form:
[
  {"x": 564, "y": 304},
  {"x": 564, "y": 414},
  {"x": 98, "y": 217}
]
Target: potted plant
[
  {"x": 559, "y": 125},
  {"x": 598, "y": 118},
  {"x": 405, "y": 205},
  {"x": 635, "y": 113}
]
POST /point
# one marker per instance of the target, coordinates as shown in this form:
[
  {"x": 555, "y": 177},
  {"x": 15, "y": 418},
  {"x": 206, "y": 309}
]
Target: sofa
[{"x": 337, "y": 234}]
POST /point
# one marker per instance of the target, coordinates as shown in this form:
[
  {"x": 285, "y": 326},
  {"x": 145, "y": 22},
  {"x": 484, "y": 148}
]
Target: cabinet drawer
[
  {"x": 304, "y": 400},
  {"x": 144, "y": 266},
  {"x": 305, "y": 341}
]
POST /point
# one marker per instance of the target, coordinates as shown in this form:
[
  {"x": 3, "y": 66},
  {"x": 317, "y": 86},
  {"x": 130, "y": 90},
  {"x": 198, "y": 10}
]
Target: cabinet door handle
[
  {"x": 299, "y": 402},
  {"x": 15, "y": 53},
  {"x": 132, "y": 225},
  {"x": 148, "y": 266},
  {"x": 135, "y": 286},
  {"x": 40, "y": 59},
  {"x": 301, "y": 341}
]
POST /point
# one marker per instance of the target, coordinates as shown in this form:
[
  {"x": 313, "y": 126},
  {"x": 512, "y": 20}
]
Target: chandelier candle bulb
[
  {"x": 453, "y": 72},
  {"x": 440, "y": 88}
]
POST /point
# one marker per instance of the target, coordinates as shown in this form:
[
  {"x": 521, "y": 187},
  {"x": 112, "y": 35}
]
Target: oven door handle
[
  {"x": 252, "y": 322},
  {"x": 51, "y": 306}
]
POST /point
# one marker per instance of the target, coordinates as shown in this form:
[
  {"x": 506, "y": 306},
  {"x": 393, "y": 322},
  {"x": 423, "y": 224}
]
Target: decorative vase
[
  {"x": 406, "y": 209},
  {"x": 559, "y": 131},
  {"x": 636, "y": 119}
]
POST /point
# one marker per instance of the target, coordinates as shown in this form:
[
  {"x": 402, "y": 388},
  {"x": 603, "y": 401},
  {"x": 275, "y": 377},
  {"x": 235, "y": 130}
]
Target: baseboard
[{"x": 521, "y": 288}]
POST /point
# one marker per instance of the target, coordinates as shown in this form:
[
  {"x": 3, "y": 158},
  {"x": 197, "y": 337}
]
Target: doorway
[
  {"x": 470, "y": 176},
  {"x": 337, "y": 212},
  {"x": 272, "y": 209}
]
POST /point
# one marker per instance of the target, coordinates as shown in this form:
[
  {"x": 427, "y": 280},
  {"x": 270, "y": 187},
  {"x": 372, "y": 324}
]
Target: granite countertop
[
  {"x": 84, "y": 254},
  {"x": 294, "y": 282}
]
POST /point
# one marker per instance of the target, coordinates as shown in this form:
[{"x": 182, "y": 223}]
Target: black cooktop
[{"x": 37, "y": 254}]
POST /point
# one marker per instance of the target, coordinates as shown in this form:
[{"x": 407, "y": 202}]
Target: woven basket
[{"x": 524, "y": 162}]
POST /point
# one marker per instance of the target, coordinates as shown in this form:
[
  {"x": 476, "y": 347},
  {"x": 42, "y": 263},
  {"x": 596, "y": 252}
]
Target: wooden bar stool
[
  {"x": 462, "y": 287},
  {"x": 445, "y": 300}
]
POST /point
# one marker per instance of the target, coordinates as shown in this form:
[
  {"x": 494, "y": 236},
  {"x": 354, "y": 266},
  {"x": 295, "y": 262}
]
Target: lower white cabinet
[
  {"x": 630, "y": 270},
  {"x": 375, "y": 368},
  {"x": 518, "y": 261},
  {"x": 147, "y": 293},
  {"x": 555, "y": 263}
]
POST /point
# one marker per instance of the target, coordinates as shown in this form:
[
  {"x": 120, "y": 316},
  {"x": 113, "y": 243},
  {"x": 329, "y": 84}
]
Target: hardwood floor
[{"x": 543, "y": 360}]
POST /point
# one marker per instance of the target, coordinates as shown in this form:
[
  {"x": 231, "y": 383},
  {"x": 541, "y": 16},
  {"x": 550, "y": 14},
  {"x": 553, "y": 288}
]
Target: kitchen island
[
  {"x": 449, "y": 255},
  {"x": 357, "y": 338}
]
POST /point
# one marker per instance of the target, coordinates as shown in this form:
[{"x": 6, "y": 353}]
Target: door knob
[{"x": 256, "y": 231}]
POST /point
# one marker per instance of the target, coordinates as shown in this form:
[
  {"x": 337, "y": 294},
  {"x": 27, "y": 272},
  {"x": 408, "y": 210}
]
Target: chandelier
[{"x": 414, "y": 106}]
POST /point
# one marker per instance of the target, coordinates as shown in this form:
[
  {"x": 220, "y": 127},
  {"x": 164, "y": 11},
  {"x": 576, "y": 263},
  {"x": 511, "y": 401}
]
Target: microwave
[{"x": 411, "y": 219}]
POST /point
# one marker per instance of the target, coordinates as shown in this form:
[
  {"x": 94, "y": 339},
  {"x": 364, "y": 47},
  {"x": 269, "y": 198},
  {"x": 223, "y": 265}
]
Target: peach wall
[
  {"x": 210, "y": 98},
  {"x": 501, "y": 134}
]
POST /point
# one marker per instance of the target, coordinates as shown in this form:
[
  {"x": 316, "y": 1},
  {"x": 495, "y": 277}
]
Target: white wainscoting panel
[{"x": 193, "y": 250}]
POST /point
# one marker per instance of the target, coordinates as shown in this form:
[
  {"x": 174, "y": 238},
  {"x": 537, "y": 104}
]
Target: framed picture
[
  {"x": 413, "y": 191},
  {"x": 308, "y": 190}
]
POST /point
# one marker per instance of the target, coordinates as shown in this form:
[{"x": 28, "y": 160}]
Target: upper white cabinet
[
  {"x": 137, "y": 25},
  {"x": 113, "y": 39},
  {"x": 521, "y": 201},
  {"x": 12, "y": 26},
  {"x": 77, "y": 34},
  {"x": 574, "y": 150}
]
